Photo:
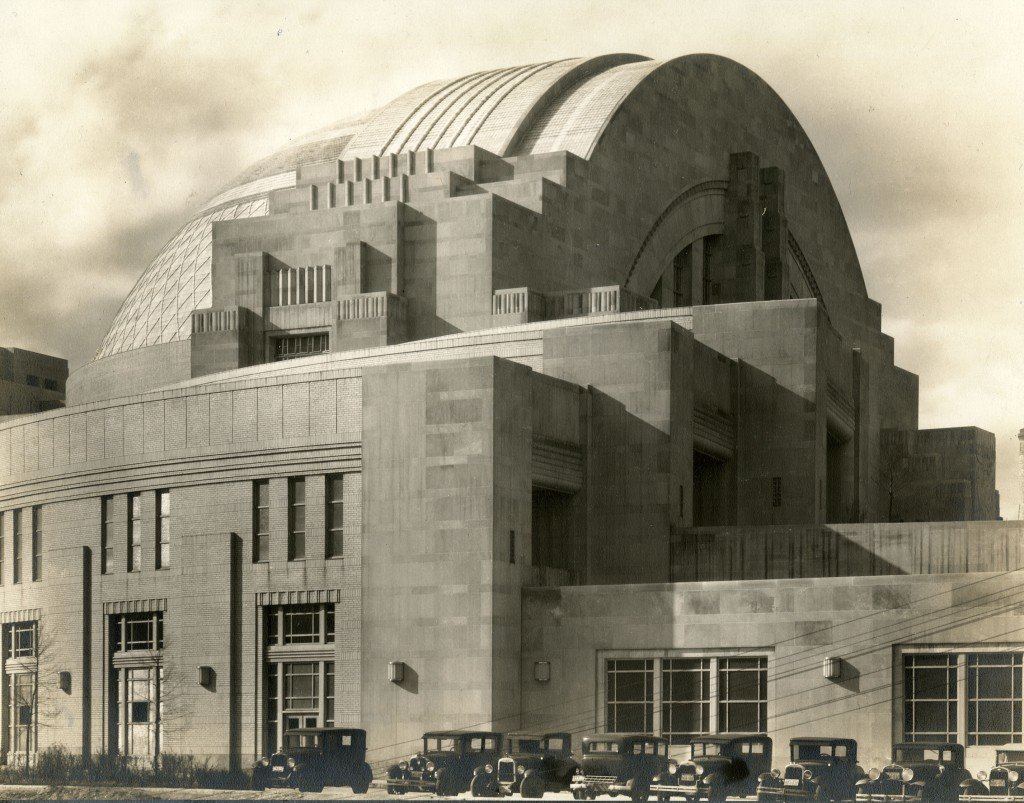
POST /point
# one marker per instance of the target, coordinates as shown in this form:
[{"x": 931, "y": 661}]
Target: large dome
[{"x": 537, "y": 108}]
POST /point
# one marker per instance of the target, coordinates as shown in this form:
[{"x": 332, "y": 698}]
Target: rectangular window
[
  {"x": 335, "y": 515},
  {"x": 139, "y": 705},
  {"x": 138, "y": 631},
  {"x": 686, "y": 696},
  {"x": 511, "y": 546},
  {"x": 21, "y": 640},
  {"x": 630, "y": 693},
  {"x": 297, "y": 518},
  {"x": 37, "y": 543},
  {"x": 742, "y": 694},
  {"x": 16, "y": 546},
  {"x": 301, "y": 686},
  {"x": 329, "y": 694},
  {"x": 261, "y": 521},
  {"x": 163, "y": 529},
  {"x": 930, "y": 698},
  {"x": 305, "y": 285},
  {"x": 776, "y": 491},
  {"x": 3, "y": 523},
  {"x": 292, "y": 347},
  {"x": 134, "y": 532},
  {"x": 107, "y": 535},
  {"x": 994, "y": 699},
  {"x": 21, "y": 689}
]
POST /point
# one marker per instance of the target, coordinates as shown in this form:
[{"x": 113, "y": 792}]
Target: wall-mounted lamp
[
  {"x": 206, "y": 676},
  {"x": 64, "y": 682},
  {"x": 396, "y": 671},
  {"x": 832, "y": 668},
  {"x": 542, "y": 671}
]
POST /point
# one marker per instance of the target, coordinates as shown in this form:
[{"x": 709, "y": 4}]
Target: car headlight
[
  {"x": 1013, "y": 776},
  {"x": 982, "y": 775},
  {"x": 699, "y": 770},
  {"x": 874, "y": 774},
  {"x": 808, "y": 775},
  {"x": 776, "y": 773},
  {"x": 264, "y": 762},
  {"x": 673, "y": 767},
  {"x": 403, "y": 765},
  {"x": 520, "y": 769},
  {"x": 907, "y": 775},
  {"x": 488, "y": 769},
  {"x": 291, "y": 762},
  {"x": 431, "y": 766}
]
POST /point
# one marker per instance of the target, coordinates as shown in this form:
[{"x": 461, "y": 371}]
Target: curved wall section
[{"x": 130, "y": 373}]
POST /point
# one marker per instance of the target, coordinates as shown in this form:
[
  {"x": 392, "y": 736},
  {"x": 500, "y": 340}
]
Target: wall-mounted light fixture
[
  {"x": 542, "y": 671},
  {"x": 64, "y": 682},
  {"x": 206, "y": 676},
  {"x": 396, "y": 671},
  {"x": 832, "y": 668}
]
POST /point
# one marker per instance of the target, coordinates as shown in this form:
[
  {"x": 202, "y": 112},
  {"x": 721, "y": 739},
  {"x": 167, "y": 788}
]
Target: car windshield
[
  {"x": 524, "y": 744},
  {"x": 705, "y": 749},
  {"x": 908, "y": 754},
  {"x": 810, "y": 752},
  {"x": 556, "y": 743},
  {"x": 477, "y": 744},
  {"x": 1010, "y": 757},
  {"x": 603, "y": 747},
  {"x": 293, "y": 740},
  {"x": 438, "y": 744}
]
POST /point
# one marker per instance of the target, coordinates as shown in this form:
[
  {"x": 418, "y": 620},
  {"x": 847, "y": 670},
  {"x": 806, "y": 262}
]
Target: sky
[{"x": 118, "y": 119}]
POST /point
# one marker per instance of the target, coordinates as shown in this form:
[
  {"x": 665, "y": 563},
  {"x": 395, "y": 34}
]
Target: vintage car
[
  {"x": 619, "y": 763},
  {"x": 720, "y": 766},
  {"x": 315, "y": 758},
  {"x": 819, "y": 769},
  {"x": 446, "y": 764},
  {"x": 927, "y": 771},
  {"x": 531, "y": 765},
  {"x": 1005, "y": 780}
]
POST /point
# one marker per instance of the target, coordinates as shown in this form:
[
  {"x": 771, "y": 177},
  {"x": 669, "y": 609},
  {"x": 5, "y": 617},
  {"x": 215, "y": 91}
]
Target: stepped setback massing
[{"x": 546, "y": 398}]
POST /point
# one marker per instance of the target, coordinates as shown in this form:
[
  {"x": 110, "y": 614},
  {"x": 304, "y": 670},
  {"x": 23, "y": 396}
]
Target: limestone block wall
[{"x": 796, "y": 624}]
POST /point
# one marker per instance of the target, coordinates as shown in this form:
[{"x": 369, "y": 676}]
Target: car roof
[
  {"x": 461, "y": 733},
  {"x": 327, "y": 730},
  {"x": 612, "y": 737},
  {"x": 930, "y": 745},
  {"x": 819, "y": 739},
  {"x": 731, "y": 737},
  {"x": 534, "y": 735}
]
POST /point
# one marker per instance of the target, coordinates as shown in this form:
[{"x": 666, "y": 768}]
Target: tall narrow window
[
  {"x": 3, "y": 523},
  {"x": 682, "y": 285},
  {"x": 37, "y": 543},
  {"x": 16, "y": 546},
  {"x": 134, "y": 533},
  {"x": 630, "y": 688},
  {"x": 107, "y": 535},
  {"x": 163, "y": 529},
  {"x": 686, "y": 698},
  {"x": 930, "y": 694},
  {"x": 335, "y": 515},
  {"x": 20, "y": 690},
  {"x": 511, "y": 546},
  {"x": 742, "y": 694},
  {"x": 297, "y": 518},
  {"x": 261, "y": 521}
]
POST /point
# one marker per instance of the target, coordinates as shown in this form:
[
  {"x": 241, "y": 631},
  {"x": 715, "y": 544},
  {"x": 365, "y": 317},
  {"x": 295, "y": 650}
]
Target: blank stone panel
[
  {"x": 17, "y": 450},
  {"x": 96, "y": 433},
  {"x": 296, "y": 410},
  {"x": 197, "y": 410},
  {"x": 133, "y": 429},
  {"x": 79, "y": 452},
  {"x": 220, "y": 418},
  {"x": 153, "y": 423},
  {"x": 31, "y": 448},
  {"x": 350, "y": 408},
  {"x": 61, "y": 441},
  {"x": 113, "y": 435},
  {"x": 5, "y": 452},
  {"x": 174, "y": 423},
  {"x": 323, "y": 407},
  {"x": 243, "y": 415},
  {"x": 45, "y": 443},
  {"x": 269, "y": 404}
]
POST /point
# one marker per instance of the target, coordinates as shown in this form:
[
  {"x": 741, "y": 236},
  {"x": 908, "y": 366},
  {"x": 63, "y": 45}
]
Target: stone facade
[{"x": 569, "y": 363}]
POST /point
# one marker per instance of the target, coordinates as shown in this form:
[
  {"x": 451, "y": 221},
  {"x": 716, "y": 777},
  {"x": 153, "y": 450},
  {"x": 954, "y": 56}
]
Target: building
[
  {"x": 30, "y": 382},
  {"x": 557, "y": 387}
]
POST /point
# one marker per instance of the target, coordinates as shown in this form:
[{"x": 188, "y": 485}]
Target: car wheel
[
  {"x": 310, "y": 782},
  {"x": 444, "y": 786},
  {"x": 641, "y": 789},
  {"x": 480, "y": 786},
  {"x": 394, "y": 790},
  {"x": 362, "y": 780},
  {"x": 532, "y": 786},
  {"x": 258, "y": 784}
]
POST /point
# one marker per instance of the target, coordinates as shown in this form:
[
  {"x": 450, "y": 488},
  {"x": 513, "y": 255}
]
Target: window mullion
[
  {"x": 713, "y": 696},
  {"x": 961, "y": 698},
  {"x": 657, "y": 697}
]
